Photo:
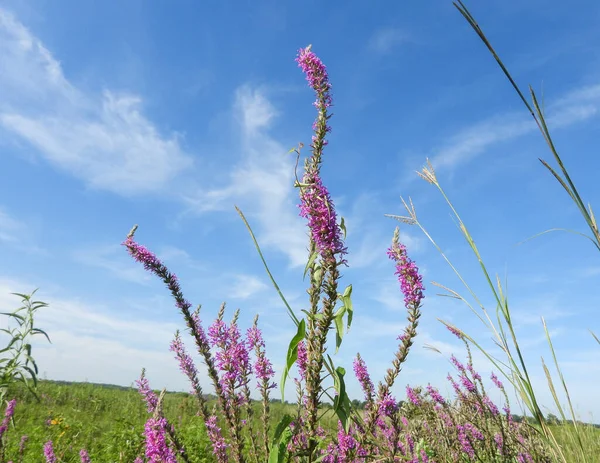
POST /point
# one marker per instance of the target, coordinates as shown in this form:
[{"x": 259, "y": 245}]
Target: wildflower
[
  {"x": 490, "y": 405},
  {"x": 387, "y": 406},
  {"x": 153, "y": 264},
  {"x": 231, "y": 357},
  {"x": 316, "y": 206},
  {"x": 263, "y": 369},
  {"x": 49, "y": 452},
  {"x": 84, "y": 456},
  {"x": 316, "y": 75},
  {"x": 412, "y": 396},
  {"x": 464, "y": 442},
  {"x": 149, "y": 396},
  {"x": 499, "y": 442},
  {"x": 497, "y": 382},
  {"x": 435, "y": 395},
  {"x": 455, "y": 331},
  {"x": 361, "y": 373},
  {"x": 24, "y": 440},
  {"x": 186, "y": 364},
  {"x": 218, "y": 443},
  {"x": 157, "y": 449},
  {"x": 8, "y": 414},
  {"x": 302, "y": 359},
  {"x": 411, "y": 282}
]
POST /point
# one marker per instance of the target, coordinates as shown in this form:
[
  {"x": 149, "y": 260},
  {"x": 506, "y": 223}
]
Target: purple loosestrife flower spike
[
  {"x": 157, "y": 449},
  {"x": 263, "y": 369},
  {"x": 83, "y": 455},
  {"x": 8, "y": 413},
  {"x": 316, "y": 75},
  {"x": 411, "y": 282},
  {"x": 147, "y": 393},
  {"x": 153, "y": 264},
  {"x": 231, "y": 357},
  {"x": 49, "y": 452},
  {"x": 316, "y": 206},
  {"x": 361, "y": 373},
  {"x": 215, "y": 437}
]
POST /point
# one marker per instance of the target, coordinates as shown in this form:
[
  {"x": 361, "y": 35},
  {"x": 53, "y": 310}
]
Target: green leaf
[
  {"x": 283, "y": 423},
  {"x": 339, "y": 329},
  {"x": 347, "y": 299},
  {"x": 290, "y": 311},
  {"x": 39, "y": 331},
  {"x": 317, "y": 273},
  {"x": 310, "y": 262},
  {"x": 341, "y": 403},
  {"x": 292, "y": 354},
  {"x": 343, "y": 227},
  {"x": 283, "y": 435}
]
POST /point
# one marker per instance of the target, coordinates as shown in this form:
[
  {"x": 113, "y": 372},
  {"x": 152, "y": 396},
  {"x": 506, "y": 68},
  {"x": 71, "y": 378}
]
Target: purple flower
[
  {"x": 435, "y": 395},
  {"x": 231, "y": 357},
  {"x": 24, "y": 440},
  {"x": 387, "y": 405},
  {"x": 497, "y": 382},
  {"x": 152, "y": 263},
  {"x": 147, "y": 393},
  {"x": 455, "y": 331},
  {"x": 302, "y": 359},
  {"x": 411, "y": 282},
  {"x": 186, "y": 364},
  {"x": 157, "y": 449},
  {"x": 361, "y": 373},
  {"x": 49, "y": 452},
  {"x": 263, "y": 369},
  {"x": 83, "y": 455},
  {"x": 490, "y": 405},
  {"x": 465, "y": 442},
  {"x": 317, "y": 207},
  {"x": 412, "y": 396},
  {"x": 218, "y": 443},
  {"x": 467, "y": 383},
  {"x": 316, "y": 75},
  {"x": 499, "y": 442},
  {"x": 8, "y": 413}
]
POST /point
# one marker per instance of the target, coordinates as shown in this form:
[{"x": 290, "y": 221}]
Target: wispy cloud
[
  {"x": 386, "y": 39},
  {"x": 104, "y": 140},
  {"x": 9, "y": 227},
  {"x": 576, "y": 106},
  {"x": 112, "y": 259},
  {"x": 261, "y": 183},
  {"x": 246, "y": 286}
]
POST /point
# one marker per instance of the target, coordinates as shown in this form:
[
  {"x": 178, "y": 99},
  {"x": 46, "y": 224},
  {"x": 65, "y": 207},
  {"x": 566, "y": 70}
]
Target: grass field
[{"x": 108, "y": 421}]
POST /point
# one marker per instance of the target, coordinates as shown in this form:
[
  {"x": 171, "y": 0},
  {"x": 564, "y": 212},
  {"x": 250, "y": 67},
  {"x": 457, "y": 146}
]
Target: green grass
[{"x": 109, "y": 421}]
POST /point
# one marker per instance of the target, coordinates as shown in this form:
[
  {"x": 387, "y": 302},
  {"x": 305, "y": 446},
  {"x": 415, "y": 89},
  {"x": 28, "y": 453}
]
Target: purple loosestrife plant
[
  {"x": 326, "y": 243},
  {"x": 49, "y": 452},
  {"x": 84, "y": 456}
]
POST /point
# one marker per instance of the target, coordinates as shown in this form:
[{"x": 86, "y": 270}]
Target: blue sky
[{"x": 169, "y": 114}]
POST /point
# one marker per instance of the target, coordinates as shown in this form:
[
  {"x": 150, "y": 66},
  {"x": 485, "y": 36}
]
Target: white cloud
[
  {"x": 384, "y": 40},
  {"x": 246, "y": 286},
  {"x": 576, "y": 106},
  {"x": 106, "y": 140},
  {"x": 261, "y": 183},
  {"x": 10, "y": 228},
  {"x": 114, "y": 259},
  {"x": 96, "y": 343}
]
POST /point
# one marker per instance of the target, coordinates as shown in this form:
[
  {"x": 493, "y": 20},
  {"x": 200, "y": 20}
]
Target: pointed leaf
[
  {"x": 310, "y": 262},
  {"x": 292, "y": 354},
  {"x": 343, "y": 227}
]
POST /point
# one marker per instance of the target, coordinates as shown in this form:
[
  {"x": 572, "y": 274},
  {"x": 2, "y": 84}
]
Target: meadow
[
  {"x": 54, "y": 422},
  {"x": 109, "y": 420}
]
